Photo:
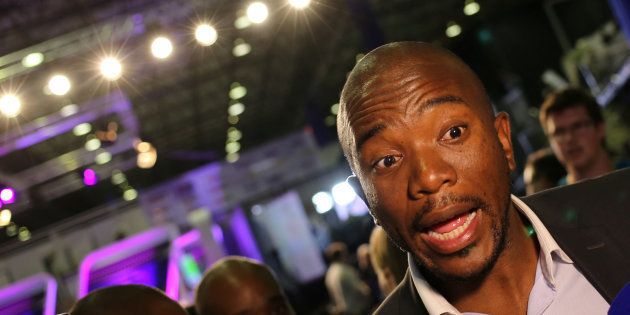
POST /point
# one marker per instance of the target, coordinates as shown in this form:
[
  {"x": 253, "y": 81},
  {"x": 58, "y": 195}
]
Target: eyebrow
[{"x": 430, "y": 103}]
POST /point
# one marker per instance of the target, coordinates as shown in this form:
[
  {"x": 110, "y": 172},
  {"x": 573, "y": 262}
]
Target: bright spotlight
[
  {"x": 59, "y": 84},
  {"x": 118, "y": 177},
  {"x": 242, "y": 22},
  {"x": 147, "y": 155},
  {"x": 146, "y": 159},
  {"x": 82, "y": 129},
  {"x": 161, "y": 47},
  {"x": 234, "y": 134},
  {"x": 323, "y": 202},
  {"x": 89, "y": 177},
  {"x": 32, "y": 59},
  {"x": 471, "y": 7},
  {"x": 7, "y": 195},
  {"x": 233, "y": 120},
  {"x": 24, "y": 234},
  {"x": 10, "y": 105},
  {"x": 236, "y": 109},
  {"x": 343, "y": 193},
  {"x": 299, "y": 4},
  {"x": 232, "y": 147},
  {"x": 257, "y": 12},
  {"x": 5, "y": 217},
  {"x": 69, "y": 110},
  {"x": 237, "y": 91},
  {"x": 241, "y": 48},
  {"x": 111, "y": 69},
  {"x": 334, "y": 109},
  {"x": 206, "y": 35},
  {"x": 143, "y": 147},
  {"x": 103, "y": 158},
  {"x": 453, "y": 29},
  {"x": 93, "y": 144},
  {"x": 130, "y": 194},
  {"x": 232, "y": 157}
]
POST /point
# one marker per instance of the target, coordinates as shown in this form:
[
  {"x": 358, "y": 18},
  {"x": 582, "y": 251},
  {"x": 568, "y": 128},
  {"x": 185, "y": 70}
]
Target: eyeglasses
[{"x": 577, "y": 128}]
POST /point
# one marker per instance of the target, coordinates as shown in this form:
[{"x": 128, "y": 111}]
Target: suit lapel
[{"x": 592, "y": 231}]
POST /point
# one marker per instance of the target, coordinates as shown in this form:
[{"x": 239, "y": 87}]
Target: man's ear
[
  {"x": 354, "y": 182},
  {"x": 502, "y": 126}
]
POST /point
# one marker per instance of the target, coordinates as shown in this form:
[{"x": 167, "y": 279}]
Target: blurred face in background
[{"x": 574, "y": 137}]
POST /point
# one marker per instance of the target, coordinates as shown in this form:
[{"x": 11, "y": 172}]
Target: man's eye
[
  {"x": 387, "y": 161},
  {"x": 454, "y": 132}
]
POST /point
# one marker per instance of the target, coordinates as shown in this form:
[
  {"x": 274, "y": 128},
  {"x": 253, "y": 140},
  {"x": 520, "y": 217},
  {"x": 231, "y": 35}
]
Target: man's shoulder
[
  {"x": 403, "y": 300},
  {"x": 589, "y": 220},
  {"x": 588, "y": 196}
]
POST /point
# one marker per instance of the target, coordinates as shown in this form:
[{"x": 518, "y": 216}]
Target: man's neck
[
  {"x": 600, "y": 166},
  {"x": 506, "y": 288}
]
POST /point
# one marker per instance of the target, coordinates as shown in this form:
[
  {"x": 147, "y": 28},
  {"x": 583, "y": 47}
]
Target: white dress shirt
[{"x": 559, "y": 288}]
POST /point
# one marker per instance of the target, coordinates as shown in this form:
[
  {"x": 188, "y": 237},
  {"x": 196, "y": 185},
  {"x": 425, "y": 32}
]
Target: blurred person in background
[
  {"x": 350, "y": 295},
  {"x": 239, "y": 285},
  {"x": 127, "y": 300},
  {"x": 542, "y": 171},
  {"x": 368, "y": 273},
  {"x": 574, "y": 125},
  {"x": 389, "y": 261}
]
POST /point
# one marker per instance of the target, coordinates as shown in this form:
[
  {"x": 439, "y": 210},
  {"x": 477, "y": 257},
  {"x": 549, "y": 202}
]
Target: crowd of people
[
  {"x": 237, "y": 285},
  {"x": 433, "y": 161}
]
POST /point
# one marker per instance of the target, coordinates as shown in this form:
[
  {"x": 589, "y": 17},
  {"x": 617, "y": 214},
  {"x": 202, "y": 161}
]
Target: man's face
[
  {"x": 435, "y": 166},
  {"x": 574, "y": 137}
]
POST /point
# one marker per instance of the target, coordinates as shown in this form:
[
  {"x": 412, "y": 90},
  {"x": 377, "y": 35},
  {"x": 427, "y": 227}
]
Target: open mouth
[
  {"x": 452, "y": 234},
  {"x": 452, "y": 228}
]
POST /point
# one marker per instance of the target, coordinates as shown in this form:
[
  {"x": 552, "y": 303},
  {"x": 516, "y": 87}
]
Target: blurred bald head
[
  {"x": 389, "y": 261},
  {"x": 385, "y": 71},
  {"x": 127, "y": 300},
  {"x": 239, "y": 285}
]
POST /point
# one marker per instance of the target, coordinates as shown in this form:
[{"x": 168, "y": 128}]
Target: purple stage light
[
  {"x": 22, "y": 293},
  {"x": 128, "y": 249},
  {"x": 7, "y": 195},
  {"x": 89, "y": 177}
]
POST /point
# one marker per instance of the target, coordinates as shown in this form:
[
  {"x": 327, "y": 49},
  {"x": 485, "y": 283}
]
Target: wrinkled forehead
[
  {"x": 410, "y": 84},
  {"x": 405, "y": 74}
]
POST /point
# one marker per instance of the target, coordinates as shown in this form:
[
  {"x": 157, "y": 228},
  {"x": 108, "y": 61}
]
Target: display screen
[
  {"x": 36, "y": 294},
  {"x": 33, "y": 305},
  {"x": 148, "y": 267}
]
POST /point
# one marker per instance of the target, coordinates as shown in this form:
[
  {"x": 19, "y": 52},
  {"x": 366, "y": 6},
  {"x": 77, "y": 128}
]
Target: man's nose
[{"x": 428, "y": 174}]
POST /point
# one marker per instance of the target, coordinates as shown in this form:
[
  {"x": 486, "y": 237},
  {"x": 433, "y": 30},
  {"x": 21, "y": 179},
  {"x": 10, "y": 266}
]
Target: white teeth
[{"x": 456, "y": 232}]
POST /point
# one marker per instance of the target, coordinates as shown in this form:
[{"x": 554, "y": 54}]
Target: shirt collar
[{"x": 436, "y": 304}]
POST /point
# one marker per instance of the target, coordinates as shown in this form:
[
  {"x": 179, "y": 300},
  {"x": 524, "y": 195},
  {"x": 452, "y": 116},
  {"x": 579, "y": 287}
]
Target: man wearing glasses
[{"x": 574, "y": 125}]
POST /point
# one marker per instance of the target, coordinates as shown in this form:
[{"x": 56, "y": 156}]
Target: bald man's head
[
  {"x": 238, "y": 285},
  {"x": 127, "y": 300},
  {"x": 394, "y": 69},
  {"x": 419, "y": 133}
]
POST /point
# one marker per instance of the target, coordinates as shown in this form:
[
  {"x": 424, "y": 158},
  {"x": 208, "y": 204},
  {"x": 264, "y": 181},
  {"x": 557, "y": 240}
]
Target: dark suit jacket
[{"x": 589, "y": 220}]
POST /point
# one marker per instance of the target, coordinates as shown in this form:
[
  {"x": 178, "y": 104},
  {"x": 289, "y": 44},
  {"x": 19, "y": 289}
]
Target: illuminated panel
[
  {"x": 189, "y": 262},
  {"x": 189, "y": 253},
  {"x": 144, "y": 258},
  {"x": 34, "y": 295}
]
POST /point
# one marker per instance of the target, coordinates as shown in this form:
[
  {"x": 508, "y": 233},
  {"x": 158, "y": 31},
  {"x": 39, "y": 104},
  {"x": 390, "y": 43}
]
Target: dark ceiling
[{"x": 293, "y": 75}]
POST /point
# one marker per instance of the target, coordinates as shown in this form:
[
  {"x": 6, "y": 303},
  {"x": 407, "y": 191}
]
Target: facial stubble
[{"x": 500, "y": 241}]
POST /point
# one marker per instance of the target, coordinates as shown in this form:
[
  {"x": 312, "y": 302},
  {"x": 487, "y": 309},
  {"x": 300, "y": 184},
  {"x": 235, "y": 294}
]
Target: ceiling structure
[{"x": 293, "y": 74}]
